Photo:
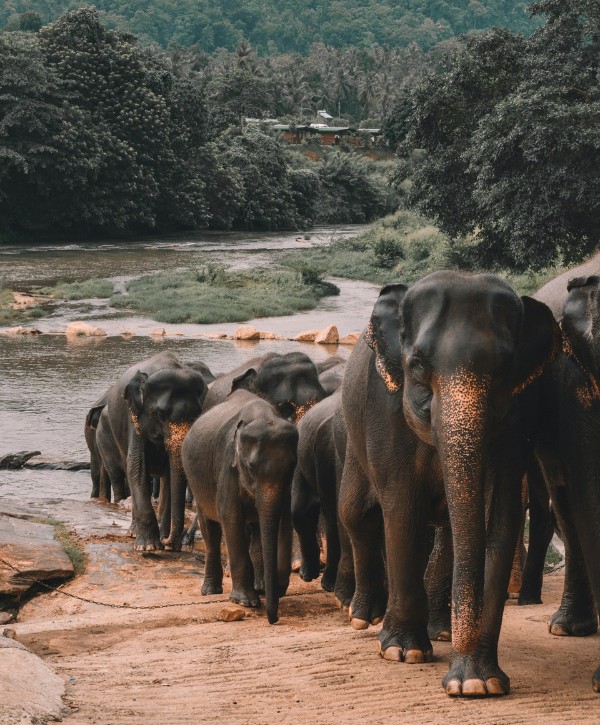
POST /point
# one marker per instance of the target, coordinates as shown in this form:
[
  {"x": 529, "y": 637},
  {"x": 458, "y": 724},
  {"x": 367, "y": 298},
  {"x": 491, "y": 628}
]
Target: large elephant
[
  {"x": 569, "y": 454},
  {"x": 440, "y": 412},
  {"x": 239, "y": 459},
  {"x": 149, "y": 411},
  {"x": 289, "y": 382},
  {"x": 314, "y": 491}
]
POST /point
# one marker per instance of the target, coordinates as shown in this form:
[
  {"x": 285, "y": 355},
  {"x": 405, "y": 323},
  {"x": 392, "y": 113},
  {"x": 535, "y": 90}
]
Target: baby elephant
[{"x": 239, "y": 459}]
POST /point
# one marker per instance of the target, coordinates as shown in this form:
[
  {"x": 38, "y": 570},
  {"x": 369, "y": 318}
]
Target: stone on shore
[
  {"x": 158, "y": 332},
  {"x": 328, "y": 335},
  {"x": 31, "y": 691},
  {"x": 213, "y": 335},
  {"x": 307, "y": 336},
  {"x": 22, "y": 330},
  {"x": 33, "y": 550},
  {"x": 270, "y": 336},
  {"x": 83, "y": 329},
  {"x": 246, "y": 332},
  {"x": 350, "y": 339}
]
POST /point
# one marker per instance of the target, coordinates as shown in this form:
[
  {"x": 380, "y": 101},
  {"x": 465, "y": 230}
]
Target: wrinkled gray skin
[
  {"x": 554, "y": 293},
  {"x": 440, "y": 409},
  {"x": 100, "y": 485},
  {"x": 148, "y": 412},
  {"x": 239, "y": 459},
  {"x": 289, "y": 382},
  {"x": 332, "y": 378},
  {"x": 569, "y": 455},
  {"x": 331, "y": 362},
  {"x": 314, "y": 490}
]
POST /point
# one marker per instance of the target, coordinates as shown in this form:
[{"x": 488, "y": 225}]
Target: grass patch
[
  {"x": 87, "y": 289},
  {"x": 402, "y": 247},
  {"x": 70, "y": 544},
  {"x": 214, "y": 294}
]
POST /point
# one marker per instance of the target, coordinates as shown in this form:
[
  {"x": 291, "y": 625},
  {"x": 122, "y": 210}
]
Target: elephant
[
  {"x": 149, "y": 410},
  {"x": 239, "y": 459},
  {"x": 569, "y": 455},
  {"x": 100, "y": 484},
  {"x": 314, "y": 490},
  {"x": 441, "y": 403},
  {"x": 554, "y": 293},
  {"x": 331, "y": 379},
  {"x": 289, "y": 382}
]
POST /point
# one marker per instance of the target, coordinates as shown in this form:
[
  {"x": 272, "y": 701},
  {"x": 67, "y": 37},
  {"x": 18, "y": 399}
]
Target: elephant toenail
[
  {"x": 495, "y": 686},
  {"x": 453, "y": 688},
  {"x": 414, "y": 657},
  {"x": 359, "y": 623},
  {"x": 474, "y": 687}
]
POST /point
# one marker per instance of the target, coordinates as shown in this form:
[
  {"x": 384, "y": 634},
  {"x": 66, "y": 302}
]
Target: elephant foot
[
  {"x": 367, "y": 609},
  {"x": 309, "y": 572},
  {"x": 148, "y": 540},
  {"x": 245, "y": 597},
  {"x": 398, "y": 644},
  {"x": 344, "y": 588},
  {"x": 473, "y": 676},
  {"x": 173, "y": 542},
  {"x": 282, "y": 588},
  {"x": 211, "y": 586},
  {"x": 526, "y": 599},
  {"x": 439, "y": 629},
  {"x": 132, "y": 530},
  {"x": 187, "y": 542},
  {"x": 328, "y": 580},
  {"x": 596, "y": 681},
  {"x": 259, "y": 584},
  {"x": 566, "y": 623}
]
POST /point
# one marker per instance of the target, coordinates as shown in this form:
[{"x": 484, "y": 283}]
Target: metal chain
[{"x": 126, "y": 606}]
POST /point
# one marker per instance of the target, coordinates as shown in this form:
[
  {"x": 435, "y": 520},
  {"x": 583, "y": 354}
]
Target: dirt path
[{"x": 181, "y": 665}]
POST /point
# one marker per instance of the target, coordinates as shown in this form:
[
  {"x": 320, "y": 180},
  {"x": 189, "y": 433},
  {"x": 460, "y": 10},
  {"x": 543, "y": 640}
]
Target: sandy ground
[{"x": 182, "y": 665}]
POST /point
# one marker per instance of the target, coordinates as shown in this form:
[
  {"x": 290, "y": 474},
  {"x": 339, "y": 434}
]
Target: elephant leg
[
  {"x": 284, "y": 550},
  {"x": 189, "y": 496},
  {"x": 156, "y": 483},
  {"x": 345, "y": 582},
  {"x": 577, "y": 615},
  {"x": 240, "y": 563},
  {"x": 144, "y": 519},
  {"x": 438, "y": 585},
  {"x": 361, "y": 516},
  {"x": 305, "y": 513},
  {"x": 189, "y": 537},
  {"x": 478, "y": 673},
  {"x": 403, "y": 637},
  {"x": 164, "y": 504},
  {"x": 516, "y": 575},
  {"x": 541, "y": 529},
  {"x": 104, "y": 487},
  {"x": 327, "y": 496},
  {"x": 95, "y": 473},
  {"x": 213, "y": 567},
  {"x": 256, "y": 554}
]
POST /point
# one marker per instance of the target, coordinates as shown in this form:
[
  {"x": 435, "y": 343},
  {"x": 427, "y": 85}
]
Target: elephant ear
[
  {"x": 579, "y": 317},
  {"x": 236, "y": 458},
  {"x": 134, "y": 393},
  {"x": 245, "y": 381},
  {"x": 93, "y": 416},
  {"x": 383, "y": 335},
  {"x": 540, "y": 343}
]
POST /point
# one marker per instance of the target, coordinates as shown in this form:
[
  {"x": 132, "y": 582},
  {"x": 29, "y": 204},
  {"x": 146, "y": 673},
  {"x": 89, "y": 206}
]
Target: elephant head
[
  {"x": 460, "y": 349},
  {"x": 289, "y": 382},
  {"x": 163, "y": 406},
  {"x": 265, "y": 454},
  {"x": 581, "y": 325}
]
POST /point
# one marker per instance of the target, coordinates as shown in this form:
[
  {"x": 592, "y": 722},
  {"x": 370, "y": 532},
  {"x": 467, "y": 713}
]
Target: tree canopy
[{"x": 510, "y": 127}]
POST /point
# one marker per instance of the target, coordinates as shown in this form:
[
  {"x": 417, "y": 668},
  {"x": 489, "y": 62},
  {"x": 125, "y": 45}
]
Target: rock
[
  {"x": 213, "y": 335},
  {"x": 350, "y": 339},
  {"x": 231, "y": 613},
  {"x": 5, "y": 617},
  {"x": 269, "y": 336},
  {"x": 21, "y": 330},
  {"x": 31, "y": 691},
  {"x": 246, "y": 332},
  {"x": 83, "y": 329},
  {"x": 33, "y": 550},
  {"x": 175, "y": 334},
  {"x": 307, "y": 336},
  {"x": 14, "y": 461},
  {"x": 47, "y": 464},
  {"x": 127, "y": 333},
  {"x": 158, "y": 332},
  {"x": 327, "y": 336}
]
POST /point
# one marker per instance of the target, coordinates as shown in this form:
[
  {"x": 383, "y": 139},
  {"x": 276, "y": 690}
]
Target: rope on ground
[{"x": 33, "y": 580}]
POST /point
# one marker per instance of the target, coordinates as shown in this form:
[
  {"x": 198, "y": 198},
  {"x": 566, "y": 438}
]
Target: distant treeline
[
  {"x": 289, "y": 26},
  {"x": 99, "y": 135}
]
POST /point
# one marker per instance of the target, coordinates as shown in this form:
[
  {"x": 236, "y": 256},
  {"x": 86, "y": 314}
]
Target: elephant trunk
[
  {"x": 178, "y": 484},
  {"x": 462, "y": 407},
  {"x": 269, "y": 515}
]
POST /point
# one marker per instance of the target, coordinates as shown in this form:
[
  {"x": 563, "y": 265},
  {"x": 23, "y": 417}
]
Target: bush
[{"x": 387, "y": 252}]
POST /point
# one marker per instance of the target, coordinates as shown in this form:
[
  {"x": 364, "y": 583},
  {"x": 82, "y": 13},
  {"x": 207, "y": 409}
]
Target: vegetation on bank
[
  {"x": 88, "y": 289},
  {"x": 11, "y": 315},
  {"x": 405, "y": 247},
  {"x": 215, "y": 294}
]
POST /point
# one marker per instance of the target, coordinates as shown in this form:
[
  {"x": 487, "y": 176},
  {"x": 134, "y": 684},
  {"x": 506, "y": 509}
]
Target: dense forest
[{"x": 288, "y": 26}]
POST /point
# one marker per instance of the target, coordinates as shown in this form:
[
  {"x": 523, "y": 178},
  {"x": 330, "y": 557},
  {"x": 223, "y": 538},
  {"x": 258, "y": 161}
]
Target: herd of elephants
[{"x": 461, "y": 405}]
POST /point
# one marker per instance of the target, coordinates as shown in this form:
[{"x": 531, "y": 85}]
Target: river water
[{"x": 48, "y": 382}]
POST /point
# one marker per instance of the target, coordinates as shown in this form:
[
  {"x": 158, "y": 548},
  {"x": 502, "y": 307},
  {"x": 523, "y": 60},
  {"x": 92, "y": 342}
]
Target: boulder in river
[
  {"x": 158, "y": 332},
  {"x": 307, "y": 336},
  {"x": 270, "y": 336},
  {"x": 350, "y": 339},
  {"x": 328, "y": 335},
  {"x": 22, "y": 330},
  {"x": 246, "y": 332},
  {"x": 84, "y": 329}
]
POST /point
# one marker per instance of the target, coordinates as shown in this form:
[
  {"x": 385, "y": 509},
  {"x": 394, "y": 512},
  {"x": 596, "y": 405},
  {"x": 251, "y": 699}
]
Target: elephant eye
[{"x": 416, "y": 365}]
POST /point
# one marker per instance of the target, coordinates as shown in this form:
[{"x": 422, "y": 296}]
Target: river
[{"x": 48, "y": 382}]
